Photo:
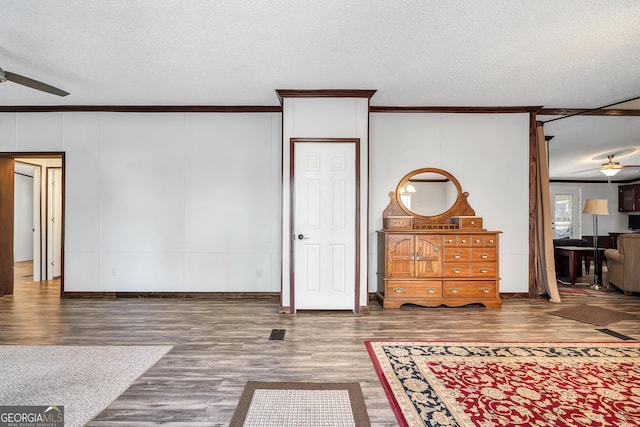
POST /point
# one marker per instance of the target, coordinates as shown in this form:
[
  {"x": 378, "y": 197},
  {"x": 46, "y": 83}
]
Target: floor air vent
[
  {"x": 277, "y": 335},
  {"x": 616, "y": 334}
]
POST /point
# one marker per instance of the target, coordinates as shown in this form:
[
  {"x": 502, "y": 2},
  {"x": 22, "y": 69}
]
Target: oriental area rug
[
  {"x": 295, "y": 404},
  {"x": 510, "y": 384},
  {"x": 609, "y": 293}
]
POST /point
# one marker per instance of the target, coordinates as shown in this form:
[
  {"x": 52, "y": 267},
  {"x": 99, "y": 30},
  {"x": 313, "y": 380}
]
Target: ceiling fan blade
[
  {"x": 586, "y": 170},
  {"x": 630, "y": 166},
  {"x": 34, "y": 84}
]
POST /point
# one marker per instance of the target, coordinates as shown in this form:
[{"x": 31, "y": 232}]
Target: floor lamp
[{"x": 596, "y": 207}]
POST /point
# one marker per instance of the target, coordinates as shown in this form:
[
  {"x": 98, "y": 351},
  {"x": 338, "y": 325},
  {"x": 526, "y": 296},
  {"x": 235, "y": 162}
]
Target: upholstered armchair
[{"x": 623, "y": 263}]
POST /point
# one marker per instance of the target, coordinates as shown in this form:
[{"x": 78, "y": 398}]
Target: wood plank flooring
[{"x": 221, "y": 344}]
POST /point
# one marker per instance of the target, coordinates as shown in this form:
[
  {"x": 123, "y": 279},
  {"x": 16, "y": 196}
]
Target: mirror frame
[{"x": 459, "y": 208}]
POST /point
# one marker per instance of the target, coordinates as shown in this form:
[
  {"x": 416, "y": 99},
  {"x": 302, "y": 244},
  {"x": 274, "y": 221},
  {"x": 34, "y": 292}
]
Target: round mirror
[{"x": 428, "y": 192}]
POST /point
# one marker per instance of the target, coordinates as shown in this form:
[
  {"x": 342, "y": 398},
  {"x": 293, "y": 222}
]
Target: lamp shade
[
  {"x": 610, "y": 172},
  {"x": 596, "y": 207}
]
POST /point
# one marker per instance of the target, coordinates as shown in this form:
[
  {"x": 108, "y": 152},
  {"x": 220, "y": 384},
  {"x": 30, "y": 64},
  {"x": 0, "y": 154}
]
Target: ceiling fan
[
  {"x": 611, "y": 168},
  {"x": 26, "y": 81}
]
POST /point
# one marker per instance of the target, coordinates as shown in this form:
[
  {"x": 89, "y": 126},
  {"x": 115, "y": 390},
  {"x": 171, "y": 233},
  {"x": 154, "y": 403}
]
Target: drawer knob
[
  {"x": 485, "y": 290},
  {"x": 457, "y": 255},
  {"x": 456, "y": 270},
  {"x": 398, "y": 290},
  {"x": 473, "y": 222},
  {"x": 490, "y": 240},
  {"x": 484, "y": 270},
  {"x": 449, "y": 241},
  {"x": 454, "y": 290},
  {"x": 463, "y": 241},
  {"x": 484, "y": 255},
  {"x": 477, "y": 240},
  {"x": 431, "y": 290}
]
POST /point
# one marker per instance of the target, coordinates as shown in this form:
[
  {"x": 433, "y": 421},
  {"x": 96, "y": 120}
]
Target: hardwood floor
[{"x": 221, "y": 344}]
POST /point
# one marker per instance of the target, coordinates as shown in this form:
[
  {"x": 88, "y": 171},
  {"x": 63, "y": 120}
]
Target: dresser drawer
[
  {"x": 457, "y": 254},
  {"x": 464, "y": 222},
  {"x": 483, "y": 254},
  {"x": 397, "y": 222},
  {"x": 488, "y": 240},
  {"x": 455, "y": 240},
  {"x": 413, "y": 289},
  {"x": 480, "y": 270},
  {"x": 456, "y": 269},
  {"x": 470, "y": 289}
]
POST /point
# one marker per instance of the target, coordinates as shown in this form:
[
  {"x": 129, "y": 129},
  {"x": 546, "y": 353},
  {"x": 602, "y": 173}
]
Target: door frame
[
  {"x": 61, "y": 156},
  {"x": 50, "y": 229},
  {"x": 292, "y": 143},
  {"x": 7, "y": 225}
]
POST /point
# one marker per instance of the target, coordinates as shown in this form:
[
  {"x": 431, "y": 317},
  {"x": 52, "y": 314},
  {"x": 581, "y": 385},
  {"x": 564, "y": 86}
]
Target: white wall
[
  {"x": 192, "y": 202},
  {"x": 487, "y": 153},
  {"x": 164, "y": 202}
]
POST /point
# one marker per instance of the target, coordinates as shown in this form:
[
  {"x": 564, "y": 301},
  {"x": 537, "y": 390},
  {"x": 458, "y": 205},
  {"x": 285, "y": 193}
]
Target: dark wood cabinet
[{"x": 629, "y": 198}]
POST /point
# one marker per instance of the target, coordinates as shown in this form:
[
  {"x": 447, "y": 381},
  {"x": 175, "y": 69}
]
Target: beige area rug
[
  {"x": 594, "y": 315},
  {"x": 282, "y": 404},
  {"x": 83, "y": 379}
]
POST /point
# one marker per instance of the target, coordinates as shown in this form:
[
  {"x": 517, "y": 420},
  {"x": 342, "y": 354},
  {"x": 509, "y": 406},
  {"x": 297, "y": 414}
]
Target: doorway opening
[{"x": 32, "y": 222}]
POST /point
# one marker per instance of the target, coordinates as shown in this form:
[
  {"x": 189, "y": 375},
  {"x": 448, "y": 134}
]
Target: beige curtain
[{"x": 545, "y": 266}]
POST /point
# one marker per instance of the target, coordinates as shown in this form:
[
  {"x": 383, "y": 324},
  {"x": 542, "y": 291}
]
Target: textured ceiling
[{"x": 570, "y": 53}]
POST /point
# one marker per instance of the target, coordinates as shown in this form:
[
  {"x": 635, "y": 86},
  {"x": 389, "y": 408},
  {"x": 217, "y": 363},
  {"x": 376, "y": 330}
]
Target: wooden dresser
[
  {"x": 435, "y": 267},
  {"x": 446, "y": 258}
]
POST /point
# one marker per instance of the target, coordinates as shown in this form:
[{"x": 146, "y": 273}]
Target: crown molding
[
  {"x": 587, "y": 112},
  {"x": 324, "y": 93},
  {"x": 453, "y": 109},
  {"x": 142, "y": 108}
]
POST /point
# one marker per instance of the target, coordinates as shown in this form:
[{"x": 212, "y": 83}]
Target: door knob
[{"x": 301, "y": 236}]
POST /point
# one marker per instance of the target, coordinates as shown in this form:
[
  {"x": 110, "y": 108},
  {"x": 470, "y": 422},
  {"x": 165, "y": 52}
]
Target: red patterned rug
[
  {"x": 510, "y": 384},
  {"x": 588, "y": 292}
]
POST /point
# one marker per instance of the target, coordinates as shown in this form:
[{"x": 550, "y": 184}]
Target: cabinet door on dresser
[
  {"x": 428, "y": 256},
  {"x": 399, "y": 255},
  {"x": 410, "y": 255}
]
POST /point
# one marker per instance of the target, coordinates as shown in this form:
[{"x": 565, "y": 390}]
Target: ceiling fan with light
[
  {"x": 611, "y": 168},
  {"x": 26, "y": 81}
]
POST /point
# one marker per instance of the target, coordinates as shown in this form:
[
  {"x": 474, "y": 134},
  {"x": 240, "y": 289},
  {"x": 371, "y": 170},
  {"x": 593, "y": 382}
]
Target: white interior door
[{"x": 324, "y": 225}]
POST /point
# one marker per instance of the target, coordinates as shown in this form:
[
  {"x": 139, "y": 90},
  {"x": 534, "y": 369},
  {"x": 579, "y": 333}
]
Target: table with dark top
[{"x": 575, "y": 255}]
